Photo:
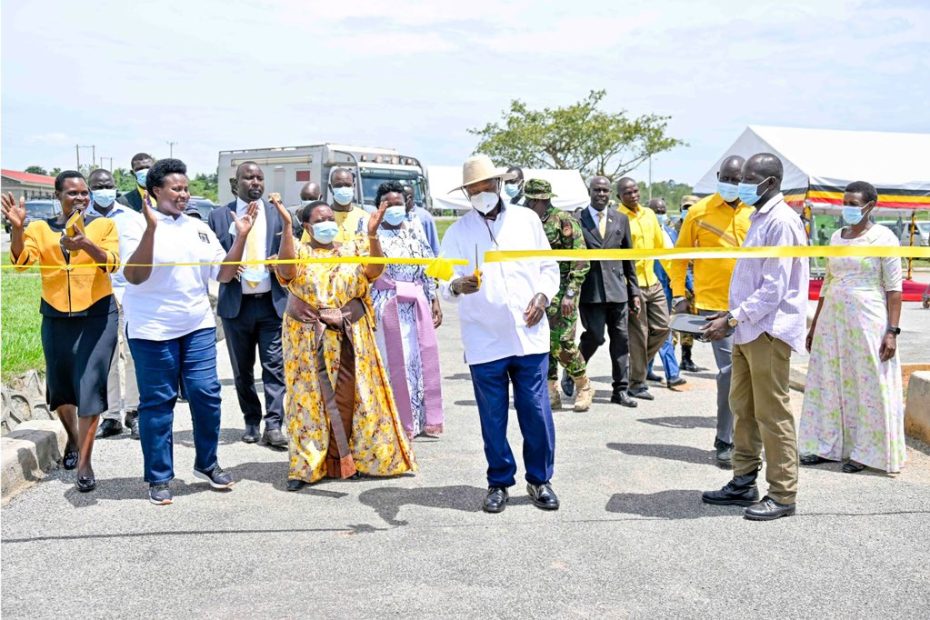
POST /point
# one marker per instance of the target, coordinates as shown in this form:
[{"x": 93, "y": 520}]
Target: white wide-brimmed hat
[{"x": 481, "y": 168}]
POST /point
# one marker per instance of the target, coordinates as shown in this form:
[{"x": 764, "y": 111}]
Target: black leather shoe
[
  {"x": 641, "y": 392},
  {"x": 724, "y": 453},
  {"x": 274, "y": 438},
  {"x": 622, "y": 398},
  {"x": 812, "y": 459},
  {"x": 108, "y": 428},
  {"x": 294, "y": 485},
  {"x": 654, "y": 378},
  {"x": 86, "y": 484},
  {"x": 496, "y": 500},
  {"x": 568, "y": 386},
  {"x": 132, "y": 422},
  {"x": 768, "y": 509},
  {"x": 252, "y": 433},
  {"x": 70, "y": 459},
  {"x": 689, "y": 366},
  {"x": 677, "y": 381},
  {"x": 740, "y": 491},
  {"x": 543, "y": 496}
]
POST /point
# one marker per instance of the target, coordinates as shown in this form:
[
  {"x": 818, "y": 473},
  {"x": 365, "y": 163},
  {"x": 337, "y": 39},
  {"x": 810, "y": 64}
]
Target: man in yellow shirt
[
  {"x": 717, "y": 221},
  {"x": 649, "y": 326}
]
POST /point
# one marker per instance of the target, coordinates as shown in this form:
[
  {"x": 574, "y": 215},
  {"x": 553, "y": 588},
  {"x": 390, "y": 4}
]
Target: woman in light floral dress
[
  {"x": 408, "y": 313},
  {"x": 853, "y": 403}
]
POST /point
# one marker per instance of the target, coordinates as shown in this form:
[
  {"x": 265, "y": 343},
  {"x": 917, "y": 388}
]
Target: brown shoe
[
  {"x": 584, "y": 393},
  {"x": 555, "y": 398}
]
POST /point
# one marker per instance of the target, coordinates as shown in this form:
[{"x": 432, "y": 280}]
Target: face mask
[
  {"x": 104, "y": 197},
  {"x": 663, "y": 218},
  {"x": 395, "y": 215},
  {"x": 728, "y": 191},
  {"x": 852, "y": 215},
  {"x": 343, "y": 195},
  {"x": 141, "y": 176},
  {"x": 511, "y": 189},
  {"x": 749, "y": 193},
  {"x": 684, "y": 214},
  {"x": 484, "y": 202},
  {"x": 304, "y": 203},
  {"x": 325, "y": 232}
]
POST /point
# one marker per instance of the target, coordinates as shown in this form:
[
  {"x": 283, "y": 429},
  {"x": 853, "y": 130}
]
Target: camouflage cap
[
  {"x": 538, "y": 189},
  {"x": 687, "y": 201}
]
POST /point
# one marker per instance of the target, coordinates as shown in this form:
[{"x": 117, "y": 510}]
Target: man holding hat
[
  {"x": 564, "y": 233},
  {"x": 501, "y": 307}
]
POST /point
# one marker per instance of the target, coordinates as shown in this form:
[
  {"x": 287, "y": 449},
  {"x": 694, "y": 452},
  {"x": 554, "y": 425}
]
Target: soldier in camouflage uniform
[{"x": 564, "y": 233}]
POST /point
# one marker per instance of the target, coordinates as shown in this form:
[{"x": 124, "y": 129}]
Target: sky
[{"x": 211, "y": 75}]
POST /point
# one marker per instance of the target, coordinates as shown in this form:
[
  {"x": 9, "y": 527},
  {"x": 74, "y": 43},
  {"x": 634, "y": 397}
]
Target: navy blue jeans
[
  {"x": 492, "y": 381},
  {"x": 161, "y": 365}
]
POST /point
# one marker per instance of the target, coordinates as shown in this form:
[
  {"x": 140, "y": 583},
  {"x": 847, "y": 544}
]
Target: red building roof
[{"x": 28, "y": 177}]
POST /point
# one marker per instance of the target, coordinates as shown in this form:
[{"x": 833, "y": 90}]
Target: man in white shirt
[
  {"x": 251, "y": 308},
  {"x": 128, "y": 224},
  {"x": 501, "y": 307}
]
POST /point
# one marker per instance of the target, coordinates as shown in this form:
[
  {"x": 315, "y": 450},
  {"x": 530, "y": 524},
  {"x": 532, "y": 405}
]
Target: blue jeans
[
  {"x": 669, "y": 362},
  {"x": 161, "y": 365},
  {"x": 492, "y": 381}
]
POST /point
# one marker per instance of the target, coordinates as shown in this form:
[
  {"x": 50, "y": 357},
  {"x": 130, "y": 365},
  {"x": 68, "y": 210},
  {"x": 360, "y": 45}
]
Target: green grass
[
  {"x": 20, "y": 321},
  {"x": 442, "y": 225}
]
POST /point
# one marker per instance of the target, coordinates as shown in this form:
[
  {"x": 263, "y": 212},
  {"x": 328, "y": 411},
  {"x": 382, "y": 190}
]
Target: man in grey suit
[
  {"x": 608, "y": 288},
  {"x": 252, "y": 306}
]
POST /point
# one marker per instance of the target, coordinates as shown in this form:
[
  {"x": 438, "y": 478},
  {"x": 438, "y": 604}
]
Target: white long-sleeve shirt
[{"x": 492, "y": 318}]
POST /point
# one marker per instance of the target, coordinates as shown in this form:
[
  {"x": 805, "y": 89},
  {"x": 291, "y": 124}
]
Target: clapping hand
[
  {"x": 375, "y": 220},
  {"x": 283, "y": 213},
  {"x": 244, "y": 223},
  {"x": 149, "y": 214}
]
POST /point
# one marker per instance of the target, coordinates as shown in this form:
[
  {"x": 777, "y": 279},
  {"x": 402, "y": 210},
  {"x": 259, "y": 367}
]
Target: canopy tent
[
  {"x": 819, "y": 163},
  {"x": 568, "y": 184}
]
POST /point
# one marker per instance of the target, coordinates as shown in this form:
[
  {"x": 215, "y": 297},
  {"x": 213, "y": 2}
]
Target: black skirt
[{"x": 78, "y": 351}]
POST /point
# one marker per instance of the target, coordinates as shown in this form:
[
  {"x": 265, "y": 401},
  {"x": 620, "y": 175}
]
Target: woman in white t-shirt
[{"x": 171, "y": 326}]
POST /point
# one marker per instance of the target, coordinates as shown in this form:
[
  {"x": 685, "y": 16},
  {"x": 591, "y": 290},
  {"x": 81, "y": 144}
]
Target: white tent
[
  {"x": 567, "y": 184},
  {"x": 819, "y": 163}
]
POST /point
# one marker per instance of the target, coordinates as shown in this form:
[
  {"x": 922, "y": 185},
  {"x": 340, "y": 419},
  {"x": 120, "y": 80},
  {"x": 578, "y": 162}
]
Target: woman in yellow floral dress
[{"x": 341, "y": 422}]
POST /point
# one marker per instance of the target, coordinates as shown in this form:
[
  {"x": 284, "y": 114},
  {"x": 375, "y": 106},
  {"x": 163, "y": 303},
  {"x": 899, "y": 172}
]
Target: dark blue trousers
[
  {"x": 492, "y": 381},
  {"x": 160, "y": 366}
]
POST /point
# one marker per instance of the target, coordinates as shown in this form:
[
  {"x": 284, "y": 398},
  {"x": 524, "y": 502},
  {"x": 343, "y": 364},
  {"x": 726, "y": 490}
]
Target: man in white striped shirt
[{"x": 768, "y": 309}]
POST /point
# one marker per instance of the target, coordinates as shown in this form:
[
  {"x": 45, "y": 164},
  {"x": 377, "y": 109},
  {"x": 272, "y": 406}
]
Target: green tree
[
  {"x": 670, "y": 191},
  {"x": 204, "y": 185},
  {"x": 578, "y": 137},
  {"x": 54, "y": 172},
  {"x": 36, "y": 170},
  {"x": 125, "y": 180}
]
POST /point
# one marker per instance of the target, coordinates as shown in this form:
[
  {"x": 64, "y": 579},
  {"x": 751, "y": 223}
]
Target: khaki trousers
[
  {"x": 648, "y": 330},
  {"x": 762, "y": 407}
]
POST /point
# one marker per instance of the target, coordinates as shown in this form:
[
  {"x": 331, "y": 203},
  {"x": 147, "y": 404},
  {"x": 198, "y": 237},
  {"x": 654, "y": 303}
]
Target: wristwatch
[
  {"x": 894, "y": 330},
  {"x": 731, "y": 320},
  {"x": 570, "y": 293}
]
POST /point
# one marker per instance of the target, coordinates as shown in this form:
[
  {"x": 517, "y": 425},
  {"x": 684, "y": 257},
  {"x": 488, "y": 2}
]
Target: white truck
[{"x": 288, "y": 168}]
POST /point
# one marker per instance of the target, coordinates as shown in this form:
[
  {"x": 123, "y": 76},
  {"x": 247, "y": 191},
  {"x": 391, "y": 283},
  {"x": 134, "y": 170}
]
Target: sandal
[
  {"x": 852, "y": 467},
  {"x": 812, "y": 459}
]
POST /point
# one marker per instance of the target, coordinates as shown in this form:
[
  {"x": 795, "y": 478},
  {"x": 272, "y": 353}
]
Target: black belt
[{"x": 256, "y": 295}]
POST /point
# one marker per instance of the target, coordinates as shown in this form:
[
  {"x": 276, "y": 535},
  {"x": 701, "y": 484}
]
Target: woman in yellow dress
[{"x": 343, "y": 421}]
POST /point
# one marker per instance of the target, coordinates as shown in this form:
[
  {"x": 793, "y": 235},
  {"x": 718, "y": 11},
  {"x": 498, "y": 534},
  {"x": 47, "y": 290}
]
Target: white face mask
[{"x": 484, "y": 202}]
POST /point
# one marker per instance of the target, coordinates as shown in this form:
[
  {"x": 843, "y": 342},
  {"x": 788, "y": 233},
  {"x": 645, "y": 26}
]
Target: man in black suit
[
  {"x": 140, "y": 164},
  {"x": 251, "y": 308},
  {"x": 608, "y": 288}
]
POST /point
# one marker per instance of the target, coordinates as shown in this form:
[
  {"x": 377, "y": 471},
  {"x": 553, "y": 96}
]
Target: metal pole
[
  {"x": 77, "y": 152},
  {"x": 650, "y": 176},
  {"x": 93, "y": 156},
  {"x": 170, "y": 148}
]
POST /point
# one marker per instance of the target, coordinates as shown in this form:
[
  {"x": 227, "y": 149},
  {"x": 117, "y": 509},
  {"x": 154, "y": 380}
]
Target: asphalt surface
[{"x": 632, "y": 538}]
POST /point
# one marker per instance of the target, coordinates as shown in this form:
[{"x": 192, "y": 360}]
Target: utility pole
[
  {"x": 93, "y": 156},
  {"x": 170, "y": 148},
  {"x": 103, "y": 159}
]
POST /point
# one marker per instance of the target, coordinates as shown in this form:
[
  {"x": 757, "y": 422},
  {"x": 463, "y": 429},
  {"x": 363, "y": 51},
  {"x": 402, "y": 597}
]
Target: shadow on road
[
  {"x": 684, "y": 421},
  {"x": 674, "y": 504},
  {"x": 227, "y": 436},
  {"x": 387, "y": 502},
  {"x": 685, "y": 454}
]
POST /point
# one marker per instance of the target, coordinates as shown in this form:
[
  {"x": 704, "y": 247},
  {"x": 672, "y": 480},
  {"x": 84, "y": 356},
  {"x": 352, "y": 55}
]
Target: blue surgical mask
[
  {"x": 511, "y": 189},
  {"x": 325, "y": 232},
  {"x": 343, "y": 195},
  {"x": 141, "y": 176},
  {"x": 304, "y": 203},
  {"x": 749, "y": 192},
  {"x": 103, "y": 197},
  {"x": 663, "y": 218},
  {"x": 728, "y": 191},
  {"x": 852, "y": 214},
  {"x": 395, "y": 215}
]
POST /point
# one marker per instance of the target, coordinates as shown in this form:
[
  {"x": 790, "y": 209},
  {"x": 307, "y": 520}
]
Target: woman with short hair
[
  {"x": 79, "y": 320},
  {"x": 853, "y": 401},
  {"x": 171, "y": 325}
]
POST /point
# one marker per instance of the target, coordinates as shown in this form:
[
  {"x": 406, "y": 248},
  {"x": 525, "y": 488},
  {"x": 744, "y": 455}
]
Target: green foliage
[
  {"x": 577, "y": 137},
  {"x": 204, "y": 185},
  {"x": 19, "y": 316},
  {"x": 54, "y": 172},
  {"x": 670, "y": 191},
  {"x": 36, "y": 170},
  {"x": 125, "y": 180}
]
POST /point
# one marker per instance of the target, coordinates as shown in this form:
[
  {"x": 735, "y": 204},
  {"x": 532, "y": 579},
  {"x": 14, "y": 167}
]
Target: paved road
[{"x": 632, "y": 537}]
